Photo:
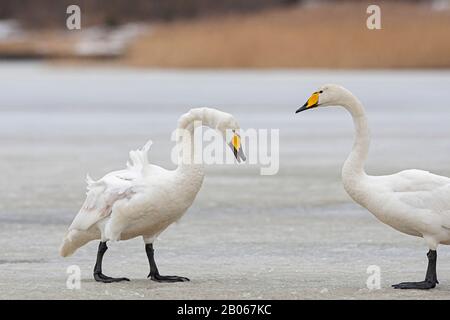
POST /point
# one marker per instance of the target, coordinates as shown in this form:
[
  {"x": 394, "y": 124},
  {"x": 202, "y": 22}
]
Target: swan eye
[{"x": 321, "y": 91}]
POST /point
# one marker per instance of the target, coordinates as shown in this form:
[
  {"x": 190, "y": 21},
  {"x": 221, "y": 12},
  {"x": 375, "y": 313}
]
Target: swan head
[
  {"x": 326, "y": 95},
  {"x": 221, "y": 121},
  {"x": 226, "y": 125}
]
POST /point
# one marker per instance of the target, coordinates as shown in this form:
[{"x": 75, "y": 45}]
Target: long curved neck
[
  {"x": 189, "y": 162},
  {"x": 353, "y": 167}
]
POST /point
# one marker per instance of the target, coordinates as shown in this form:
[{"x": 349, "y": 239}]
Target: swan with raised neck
[{"x": 414, "y": 202}]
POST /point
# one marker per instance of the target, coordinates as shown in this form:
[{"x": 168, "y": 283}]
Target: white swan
[
  {"x": 144, "y": 199},
  {"x": 414, "y": 202}
]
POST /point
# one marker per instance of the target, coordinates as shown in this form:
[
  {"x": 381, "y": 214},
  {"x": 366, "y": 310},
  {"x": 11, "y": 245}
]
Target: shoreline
[{"x": 298, "y": 37}]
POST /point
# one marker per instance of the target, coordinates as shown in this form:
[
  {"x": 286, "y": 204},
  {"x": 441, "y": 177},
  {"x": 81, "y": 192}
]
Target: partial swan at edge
[{"x": 414, "y": 202}]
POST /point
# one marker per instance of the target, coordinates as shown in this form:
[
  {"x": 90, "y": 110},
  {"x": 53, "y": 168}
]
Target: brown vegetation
[{"x": 412, "y": 35}]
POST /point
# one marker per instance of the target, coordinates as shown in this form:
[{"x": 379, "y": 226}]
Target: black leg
[
  {"x": 430, "y": 278},
  {"x": 98, "y": 275},
  {"x": 154, "y": 273}
]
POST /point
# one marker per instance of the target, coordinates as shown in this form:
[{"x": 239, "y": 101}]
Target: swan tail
[
  {"x": 139, "y": 158},
  {"x": 73, "y": 240}
]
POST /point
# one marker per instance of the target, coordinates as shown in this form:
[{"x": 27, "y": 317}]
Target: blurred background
[
  {"x": 75, "y": 102},
  {"x": 230, "y": 33}
]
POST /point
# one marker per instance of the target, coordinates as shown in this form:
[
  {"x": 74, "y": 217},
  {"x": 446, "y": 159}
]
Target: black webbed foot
[
  {"x": 160, "y": 278},
  {"x": 154, "y": 272},
  {"x": 100, "y": 277},
  {"x": 430, "y": 277},
  {"x": 420, "y": 285}
]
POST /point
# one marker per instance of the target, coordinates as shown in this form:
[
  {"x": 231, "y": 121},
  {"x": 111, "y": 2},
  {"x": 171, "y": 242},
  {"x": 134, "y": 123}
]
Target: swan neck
[
  {"x": 191, "y": 159},
  {"x": 354, "y": 165},
  {"x": 188, "y": 161}
]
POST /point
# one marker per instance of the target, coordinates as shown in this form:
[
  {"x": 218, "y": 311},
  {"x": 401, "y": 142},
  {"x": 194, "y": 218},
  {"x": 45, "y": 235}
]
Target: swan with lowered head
[
  {"x": 414, "y": 202},
  {"x": 144, "y": 199}
]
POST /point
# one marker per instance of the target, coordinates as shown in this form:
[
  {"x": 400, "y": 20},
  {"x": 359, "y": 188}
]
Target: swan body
[
  {"x": 141, "y": 200},
  {"x": 414, "y": 202},
  {"x": 144, "y": 199}
]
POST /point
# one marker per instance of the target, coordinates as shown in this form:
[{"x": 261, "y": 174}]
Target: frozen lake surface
[{"x": 294, "y": 235}]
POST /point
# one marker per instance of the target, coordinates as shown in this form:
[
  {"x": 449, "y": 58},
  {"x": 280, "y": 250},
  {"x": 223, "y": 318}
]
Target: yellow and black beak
[
  {"x": 236, "y": 146},
  {"x": 312, "y": 102}
]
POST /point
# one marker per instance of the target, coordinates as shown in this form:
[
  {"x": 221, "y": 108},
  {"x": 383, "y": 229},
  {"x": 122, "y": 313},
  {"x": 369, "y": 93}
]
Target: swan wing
[
  {"x": 118, "y": 185},
  {"x": 102, "y": 195},
  {"x": 424, "y": 191},
  {"x": 417, "y": 181}
]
